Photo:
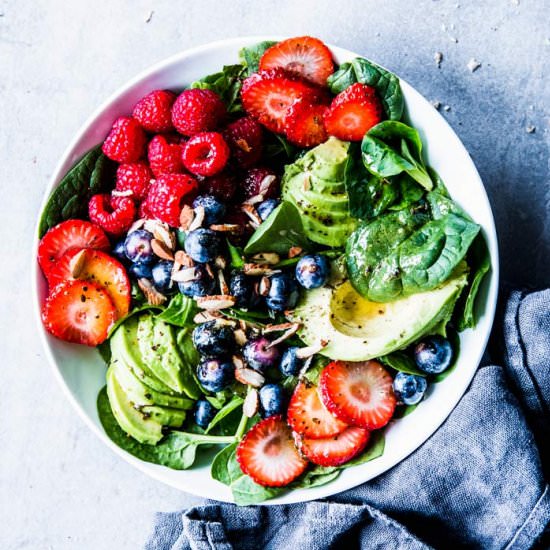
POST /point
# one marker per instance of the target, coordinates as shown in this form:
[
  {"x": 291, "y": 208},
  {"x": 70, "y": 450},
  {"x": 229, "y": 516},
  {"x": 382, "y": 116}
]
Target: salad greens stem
[{"x": 241, "y": 428}]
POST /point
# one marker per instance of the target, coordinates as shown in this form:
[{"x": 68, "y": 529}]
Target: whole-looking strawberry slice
[
  {"x": 268, "y": 455},
  {"x": 87, "y": 264},
  {"x": 267, "y": 95},
  {"x": 353, "y": 112},
  {"x": 304, "y": 125},
  {"x": 66, "y": 236},
  {"x": 308, "y": 416},
  {"x": 304, "y": 55},
  {"x": 360, "y": 394},
  {"x": 80, "y": 312},
  {"x": 335, "y": 450}
]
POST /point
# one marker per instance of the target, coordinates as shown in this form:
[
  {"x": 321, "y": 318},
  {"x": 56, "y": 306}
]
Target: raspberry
[
  {"x": 245, "y": 139},
  {"x": 114, "y": 215},
  {"x": 167, "y": 196},
  {"x": 164, "y": 154},
  {"x": 197, "y": 111},
  {"x": 223, "y": 186},
  {"x": 134, "y": 177},
  {"x": 260, "y": 181},
  {"x": 205, "y": 154},
  {"x": 154, "y": 111},
  {"x": 126, "y": 140},
  {"x": 143, "y": 211}
]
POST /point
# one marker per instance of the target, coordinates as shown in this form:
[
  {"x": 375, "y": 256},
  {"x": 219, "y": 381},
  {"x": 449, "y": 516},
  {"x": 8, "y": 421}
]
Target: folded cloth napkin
[{"x": 478, "y": 482}]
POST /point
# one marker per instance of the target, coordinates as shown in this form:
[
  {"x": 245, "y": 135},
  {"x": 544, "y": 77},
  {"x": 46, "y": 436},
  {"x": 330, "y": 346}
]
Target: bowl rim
[{"x": 322, "y": 491}]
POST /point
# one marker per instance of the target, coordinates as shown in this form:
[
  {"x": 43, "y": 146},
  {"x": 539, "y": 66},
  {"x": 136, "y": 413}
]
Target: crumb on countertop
[
  {"x": 530, "y": 129},
  {"x": 438, "y": 58},
  {"x": 473, "y": 65}
]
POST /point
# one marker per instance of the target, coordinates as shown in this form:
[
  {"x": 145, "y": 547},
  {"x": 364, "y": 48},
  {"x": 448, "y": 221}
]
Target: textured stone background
[{"x": 59, "y": 486}]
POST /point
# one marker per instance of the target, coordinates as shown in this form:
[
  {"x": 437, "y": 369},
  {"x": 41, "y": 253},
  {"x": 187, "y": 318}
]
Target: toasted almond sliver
[
  {"x": 186, "y": 274},
  {"x": 205, "y": 316},
  {"x": 224, "y": 288},
  {"x": 161, "y": 250},
  {"x": 310, "y": 351},
  {"x": 294, "y": 251},
  {"x": 184, "y": 259},
  {"x": 77, "y": 263},
  {"x": 265, "y": 184},
  {"x": 198, "y": 219},
  {"x": 164, "y": 235},
  {"x": 240, "y": 337},
  {"x": 250, "y": 211},
  {"x": 250, "y": 377},
  {"x": 270, "y": 258},
  {"x": 238, "y": 361},
  {"x": 305, "y": 367},
  {"x": 279, "y": 328},
  {"x": 215, "y": 302},
  {"x": 264, "y": 286},
  {"x": 154, "y": 297},
  {"x": 186, "y": 217},
  {"x": 257, "y": 269},
  {"x": 285, "y": 336},
  {"x": 138, "y": 224},
  {"x": 251, "y": 403},
  {"x": 220, "y": 262},
  {"x": 256, "y": 199},
  {"x": 226, "y": 227}
]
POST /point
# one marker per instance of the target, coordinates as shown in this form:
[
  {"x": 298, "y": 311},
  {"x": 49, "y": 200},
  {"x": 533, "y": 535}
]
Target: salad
[{"x": 268, "y": 267}]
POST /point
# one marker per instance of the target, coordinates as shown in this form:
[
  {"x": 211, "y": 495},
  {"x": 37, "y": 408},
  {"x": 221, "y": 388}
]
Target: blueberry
[
  {"x": 409, "y": 388},
  {"x": 213, "y": 339},
  {"x": 265, "y": 208},
  {"x": 290, "y": 364},
  {"x": 204, "y": 413},
  {"x": 162, "y": 277},
  {"x": 199, "y": 284},
  {"x": 272, "y": 400},
  {"x": 215, "y": 374},
  {"x": 138, "y": 246},
  {"x": 283, "y": 292},
  {"x": 139, "y": 270},
  {"x": 119, "y": 251},
  {"x": 433, "y": 354},
  {"x": 241, "y": 287},
  {"x": 259, "y": 355},
  {"x": 214, "y": 210},
  {"x": 203, "y": 245},
  {"x": 312, "y": 271}
]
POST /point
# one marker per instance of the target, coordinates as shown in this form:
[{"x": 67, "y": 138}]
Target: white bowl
[{"x": 81, "y": 372}]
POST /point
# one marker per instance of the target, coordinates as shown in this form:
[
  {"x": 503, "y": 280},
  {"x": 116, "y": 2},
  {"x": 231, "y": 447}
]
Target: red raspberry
[
  {"x": 167, "y": 196},
  {"x": 114, "y": 215},
  {"x": 205, "y": 154},
  {"x": 154, "y": 111},
  {"x": 134, "y": 177},
  {"x": 126, "y": 140},
  {"x": 143, "y": 211},
  {"x": 245, "y": 139},
  {"x": 260, "y": 181},
  {"x": 164, "y": 154},
  {"x": 197, "y": 111},
  {"x": 223, "y": 186}
]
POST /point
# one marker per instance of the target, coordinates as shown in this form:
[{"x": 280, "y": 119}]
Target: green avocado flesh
[
  {"x": 357, "y": 329},
  {"x": 315, "y": 185}
]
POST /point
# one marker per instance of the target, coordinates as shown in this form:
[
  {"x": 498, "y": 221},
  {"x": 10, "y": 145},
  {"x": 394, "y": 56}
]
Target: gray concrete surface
[{"x": 59, "y": 487}]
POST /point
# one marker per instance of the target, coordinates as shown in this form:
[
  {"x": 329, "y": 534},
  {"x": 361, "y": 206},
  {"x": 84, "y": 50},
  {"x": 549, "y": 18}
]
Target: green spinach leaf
[
  {"x": 180, "y": 311},
  {"x": 219, "y": 469},
  {"x": 235, "y": 256},
  {"x": 250, "y": 57},
  {"x": 227, "y": 84},
  {"x": 226, "y": 410},
  {"x": 276, "y": 145},
  {"x": 400, "y": 361}
]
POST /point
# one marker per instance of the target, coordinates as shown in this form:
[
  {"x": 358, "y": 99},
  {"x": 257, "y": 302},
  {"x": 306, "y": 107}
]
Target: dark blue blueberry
[
  {"x": 204, "y": 413},
  {"x": 265, "y": 208},
  {"x": 312, "y": 271},
  {"x": 290, "y": 364},
  {"x": 138, "y": 246},
  {"x": 272, "y": 400},
  {"x": 259, "y": 354},
  {"x": 409, "y": 388},
  {"x": 200, "y": 283},
  {"x": 140, "y": 270},
  {"x": 212, "y": 338},
  {"x": 241, "y": 287},
  {"x": 162, "y": 277},
  {"x": 433, "y": 355},
  {"x": 215, "y": 374},
  {"x": 119, "y": 251},
  {"x": 203, "y": 245},
  {"x": 214, "y": 210},
  {"x": 283, "y": 292}
]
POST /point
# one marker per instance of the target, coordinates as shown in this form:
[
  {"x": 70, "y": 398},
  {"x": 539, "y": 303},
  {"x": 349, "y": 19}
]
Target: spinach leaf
[
  {"x": 250, "y": 57},
  {"x": 235, "y": 256},
  {"x": 227, "y": 409},
  {"x": 316, "y": 477},
  {"x": 180, "y": 311},
  {"x": 227, "y": 84},
  {"x": 105, "y": 351},
  {"x": 276, "y": 145},
  {"x": 454, "y": 338},
  {"x": 92, "y": 174},
  {"x": 366, "y": 72},
  {"x": 282, "y": 230},
  {"x": 219, "y": 469},
  {"x": 247, "y": 492},
  {"x": 400, "y": 361},
  {"x": 409, "y": 192}
]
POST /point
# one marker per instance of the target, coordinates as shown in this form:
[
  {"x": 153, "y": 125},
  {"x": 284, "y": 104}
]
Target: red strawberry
[
  {"x": 135, "y": 178},
  {"x": 360, "y": 394},
  {"x": 154, "y": 111},
  {"x": 304, "y": 55},
  {"x": 126, "y": 140},
  {"x": 114, "y": 215},
  {"x": 164, "y": 155},
  {"x": 353, "y": 112},
  {"x": 268, "y": 455},
  {"x": 336, "y": 450},
  {"x": 100, "y": 268},
  {"x": 80, "y": 312},
  {"x": 267, "y": 95},
  {"x": 66, "y": 236},
  {"x": 308, "y": 416},
  {"x": 304, "y": 125}
]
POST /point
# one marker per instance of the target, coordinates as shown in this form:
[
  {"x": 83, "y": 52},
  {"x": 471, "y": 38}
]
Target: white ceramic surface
[{"x": 81, "y": 371}]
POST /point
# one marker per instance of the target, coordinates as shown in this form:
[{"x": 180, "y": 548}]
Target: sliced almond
[
  {"x": 310, "y": 351},
  {"x": 226, "y": 227},
  {"x": 138, "y": 224},
  {"x": 215, "y": 302},
  {"x": 251, "y": 403},
  {"x": 240, "y": 337},
  {"x": 257, "y": 269},
  {"x": 294, "y": 251},
  {"x": 280, "y": 327},
  {"x": 238, "y": 361},
  {"x": 209, "y": 270},
  {"x": 186, "y": 274},
  {"x": 220, "y": 262},
  {"x": 198, "y": 219},
  {"x": 270, "y": 258},
  {"x": 117, "y": 193},
  {"x": 77, "y": 263},
  {"x": 242, "y": 144},
  {"x": 205, "y": 316},
  {"x": 163, "y": 234},
  {"x": 250, "y": 211},
  {"x": 154, "y": 297},
  {"x": 224, "y": 287},
  {"x": 187, "y": 215},
  {"x": 184, "y": 259},
  {"x": 222, "y": 321},
  {"x": 256, "y": 199},
  {"x": 249, "y": 377},
  {"x": 161, "y": 250},
  {"x": 285, "y": 336},
  {"x": 266, "y": 184},
  {"x": 305, "y": 367},
  {"x": 264, "y": 286}
]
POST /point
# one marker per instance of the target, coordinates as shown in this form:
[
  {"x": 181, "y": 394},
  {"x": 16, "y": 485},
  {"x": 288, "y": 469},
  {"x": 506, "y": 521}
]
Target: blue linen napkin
[{"x": 478, "y": 482}]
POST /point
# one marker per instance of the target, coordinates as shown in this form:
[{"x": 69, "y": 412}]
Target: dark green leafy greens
[
  {"x": 250, "y": 57},
  {"x": 227, "y": 84},
  {"x": 235, "y": 256},
  {"x": 401, "y": 362},
  {"x": 235, "y": 402},
  {"x": 180, "y": 311}
]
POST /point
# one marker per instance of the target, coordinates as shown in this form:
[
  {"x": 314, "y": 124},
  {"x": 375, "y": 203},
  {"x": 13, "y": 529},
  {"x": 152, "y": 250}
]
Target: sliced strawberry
[
  {"x": 353, "y": 112},
  {"x": 268, "y": 455},
  {"x": 303, "y": 55},
  {"x": 304, "y": 125},
  {"x": 336, "y": 450},
  {"x": 360, "y": 394},
  {"x": 267, "y": 95},
  {"x": 68, "y": 235},
  {"x": 96, "y": 266},
  {"x": 80, "y": 312},
  {"x": 308, "y": 416}
]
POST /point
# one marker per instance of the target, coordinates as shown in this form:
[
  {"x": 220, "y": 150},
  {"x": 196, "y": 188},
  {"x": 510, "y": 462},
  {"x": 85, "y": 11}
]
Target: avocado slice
[
  {"x": 131, "y": 420},
  {"x": 166, "y": 416},
  {"x": 358, "y": 329}
]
